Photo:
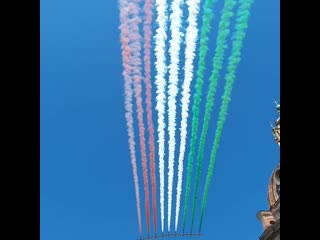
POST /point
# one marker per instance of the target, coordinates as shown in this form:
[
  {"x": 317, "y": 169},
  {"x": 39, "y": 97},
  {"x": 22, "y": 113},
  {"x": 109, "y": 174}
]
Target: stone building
[{"x": 270, "y": 219}]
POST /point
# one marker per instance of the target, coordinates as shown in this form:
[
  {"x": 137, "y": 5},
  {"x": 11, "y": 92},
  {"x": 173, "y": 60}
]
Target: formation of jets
[{"x": 167, "y": 235}]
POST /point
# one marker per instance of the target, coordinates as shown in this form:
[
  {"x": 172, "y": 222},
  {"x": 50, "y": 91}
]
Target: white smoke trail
[
  {"x": 174, "y": 50},
  {"x": 191, "y": 39},
  {"x": 160, "y": 82}
]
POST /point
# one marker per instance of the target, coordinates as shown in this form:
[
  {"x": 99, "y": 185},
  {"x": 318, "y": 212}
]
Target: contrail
[
  {"x": 174, "y": 50},
  {"x": 205, "y": 29},
  {"x": 124, "y": 36},
  {"x": 147, "y": 70},
  {"x": 191, "y": 38},
  {"x": 160, "y": 82},
  {"x": 237, "y": 42},
  {"x": 135, "y": 47},
  {"x": 223, "y": 33}
]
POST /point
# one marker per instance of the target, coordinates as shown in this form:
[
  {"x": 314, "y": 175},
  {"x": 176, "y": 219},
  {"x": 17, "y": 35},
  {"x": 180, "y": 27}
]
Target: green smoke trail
[
  {"x": 237, "y": 42},
  {"x": 205, "y": 29},
  {"x": 223, "y": 33}
]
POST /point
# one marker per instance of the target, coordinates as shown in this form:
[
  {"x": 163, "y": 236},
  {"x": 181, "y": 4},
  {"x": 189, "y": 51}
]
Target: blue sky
[{"x": 86, "y": 185}]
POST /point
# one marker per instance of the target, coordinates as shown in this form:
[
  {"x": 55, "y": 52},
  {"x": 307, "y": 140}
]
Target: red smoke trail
[
  {"x": 147, "y": 53},
  {"x": 135, "y": 61},
  {"x": 124, "y": 32}
]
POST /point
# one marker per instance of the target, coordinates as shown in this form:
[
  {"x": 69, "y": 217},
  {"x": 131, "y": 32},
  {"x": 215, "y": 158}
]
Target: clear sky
[{"x": 87, "y": 189}]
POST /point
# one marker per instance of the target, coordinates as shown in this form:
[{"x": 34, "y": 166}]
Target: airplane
[{"x": 166, "y": 235}]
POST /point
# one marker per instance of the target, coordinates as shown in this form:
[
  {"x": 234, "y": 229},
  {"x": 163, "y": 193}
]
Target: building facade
[{"x": 270, "y": 219}]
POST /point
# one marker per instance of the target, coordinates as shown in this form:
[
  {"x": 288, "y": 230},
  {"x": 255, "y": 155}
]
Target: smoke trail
[
  {"x": 147, "y": 69},
  {"x": 160, "y": 82},
  {"x": 173, "y": 90},
  {"x": 238, "y": 37},
  {"x": 124, "y": 31},
  {"x": 191, "y": 38},
  {"x": 135, "y": 47},
  {"x": 205, "y": 29},
  {"x": 223, "y": 32}
]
